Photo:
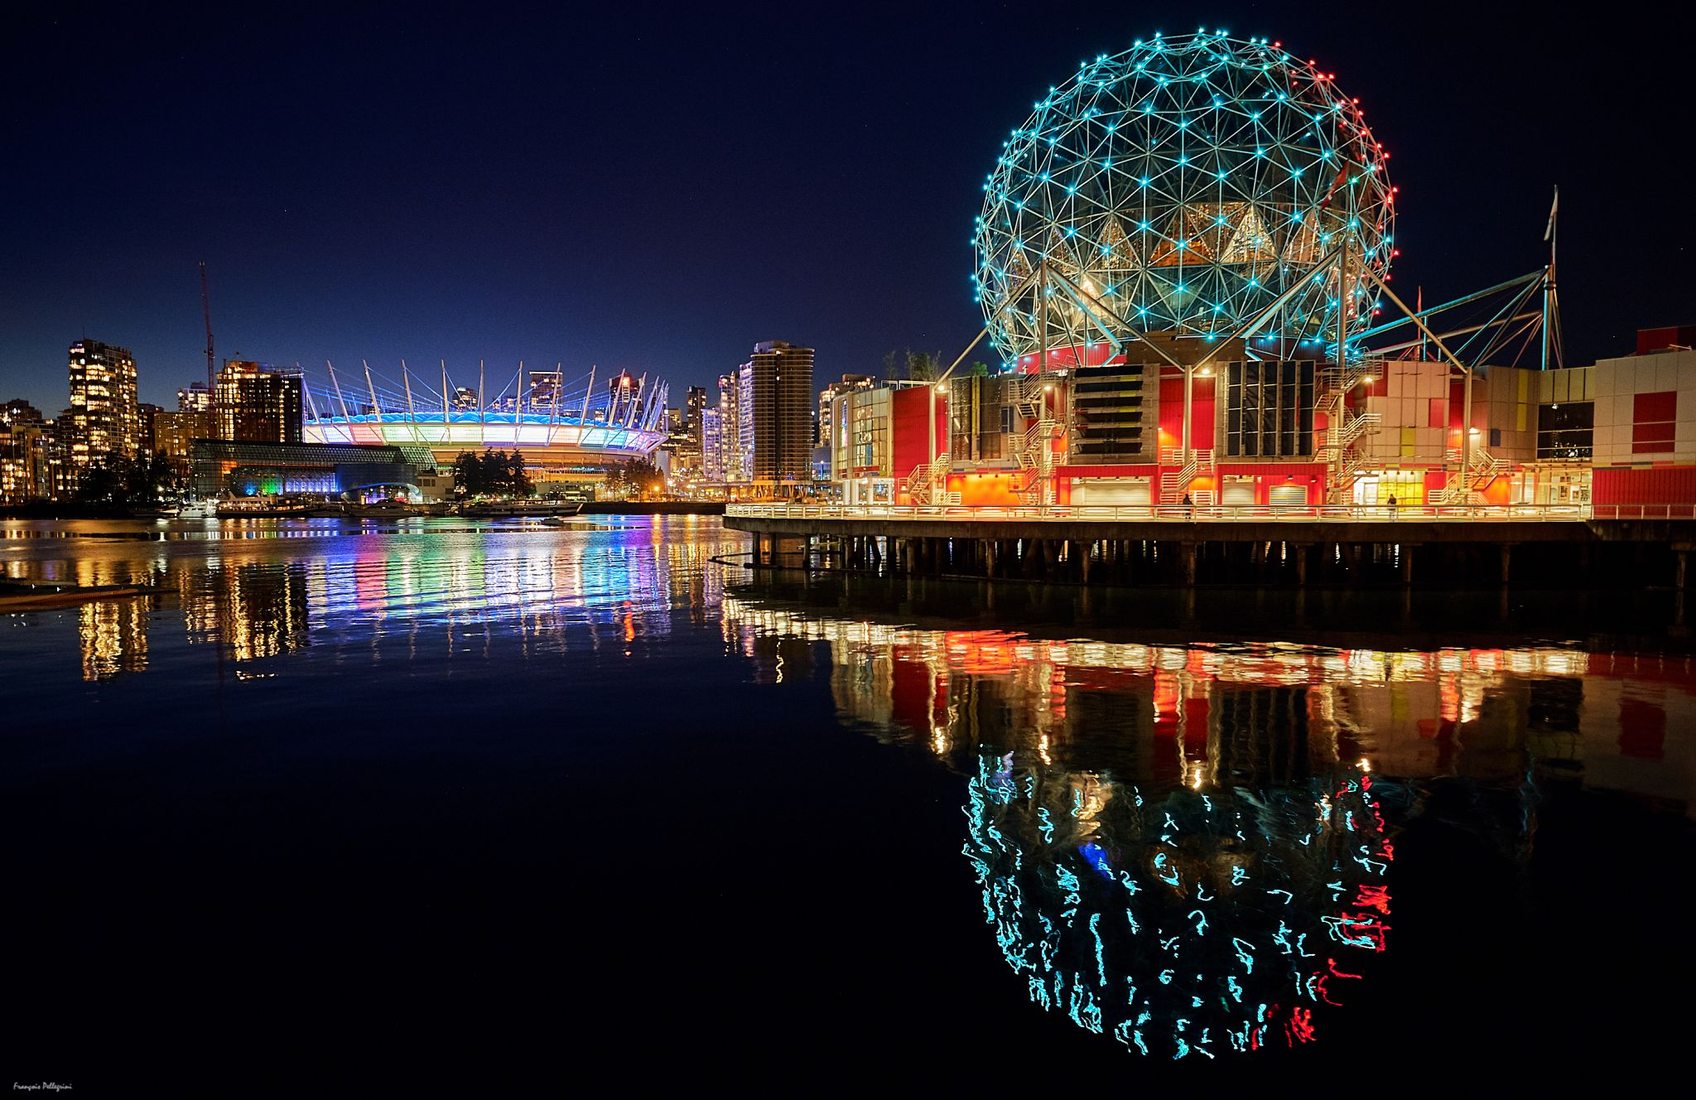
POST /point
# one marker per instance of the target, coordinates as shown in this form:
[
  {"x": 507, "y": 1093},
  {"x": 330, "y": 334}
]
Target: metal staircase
[
  {"x": 1345, "y": 430},
  {"x": 1482, "y": 468},
  {"x": 1174, "y": 482},
  {"x": 1034, "y": 450},
  {"x": 924, "y": 483}
]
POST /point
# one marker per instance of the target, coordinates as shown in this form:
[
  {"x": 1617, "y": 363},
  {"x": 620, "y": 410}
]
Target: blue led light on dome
[{"x": 1138, "y": 180}]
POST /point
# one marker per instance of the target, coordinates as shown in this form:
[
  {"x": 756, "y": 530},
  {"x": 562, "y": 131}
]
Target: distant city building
[
  {"x": 26, "y": 443},
  {"x": 545, "y": 389},
  {"x": 849, "y": 383},
  {"x": 672, "y": 456},
  {"x": 62, "y": 436},
  {"x": 19, "y": 411},
  {"x": 736, "y": 426},
  {"x": 694, "y": 408},
  {"x": 104, "y": 413},
  {"x": 173, "y": 433},
  {"x": 195, "y": 398},
  {"x": 464, "y": 399},
  {"x": 257, "y": 403},
  {"x": 712, "y": 444},
  {"x": 624, "y": 397},
  {"x": 779, "y": 388},
  {"x": 146, "y": 411}
]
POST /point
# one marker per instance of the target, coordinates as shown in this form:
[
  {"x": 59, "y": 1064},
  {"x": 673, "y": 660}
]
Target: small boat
[
  {"x": 380, "y": 509},
  {"x": 198, "y": 509},
  {"x": 261, "y": 508},
  {"x": 497, "y": 509}
]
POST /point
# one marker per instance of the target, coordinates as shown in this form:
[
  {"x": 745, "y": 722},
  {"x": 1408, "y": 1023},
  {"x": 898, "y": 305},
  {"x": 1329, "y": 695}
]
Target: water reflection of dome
[{"x": 1187, "y": 922}]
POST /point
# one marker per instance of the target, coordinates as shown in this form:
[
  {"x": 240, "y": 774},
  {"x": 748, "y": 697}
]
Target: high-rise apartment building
[
  {"x": 195, "y": 398},
  {"x": 546, "y": 386},
  {"x": 104, "y": 413},
  {"x": 148, "y": 412},
  {"x": 712, "y": 444},
  {"x": 781, "y": 396},
  {"x": 174, "y": 432},
  {"x": 25, "y": 454},
  {"x": 736, "y": 425},
  {"x": 257, "y": 403}
]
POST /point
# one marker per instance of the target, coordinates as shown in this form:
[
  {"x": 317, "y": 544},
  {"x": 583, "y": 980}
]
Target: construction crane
[{"x": 206, "y": 311}]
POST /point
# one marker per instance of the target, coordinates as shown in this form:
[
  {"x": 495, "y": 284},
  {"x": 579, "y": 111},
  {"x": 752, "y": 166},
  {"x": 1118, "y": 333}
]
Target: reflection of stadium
[
  {"x": 251, "y": 595},
  {"x": 365, "y": 592}
]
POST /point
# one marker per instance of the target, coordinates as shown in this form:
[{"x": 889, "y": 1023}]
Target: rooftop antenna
[{"x": 206, "y": 312}]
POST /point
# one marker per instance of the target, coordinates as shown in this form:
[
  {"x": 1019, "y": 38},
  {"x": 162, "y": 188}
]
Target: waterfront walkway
[{"x": 1176, "y": 542}]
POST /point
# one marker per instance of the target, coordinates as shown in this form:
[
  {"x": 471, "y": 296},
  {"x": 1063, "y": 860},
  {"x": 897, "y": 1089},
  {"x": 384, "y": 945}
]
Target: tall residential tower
[
  {"x": 781, "y": 377},
  {"x": 257, "y": 403},
  {"x": 104, "y": 413}
]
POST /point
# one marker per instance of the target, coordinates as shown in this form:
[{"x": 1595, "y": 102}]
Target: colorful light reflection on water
[
  {"x": 1187, "y": 848},
  {"x": 1190, "y": 851}
]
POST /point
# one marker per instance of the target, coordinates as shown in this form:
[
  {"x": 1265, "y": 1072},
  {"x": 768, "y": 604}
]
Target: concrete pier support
[
  {"x": 1683, "y": 562},
  {"x": 1278, "y": 552}
]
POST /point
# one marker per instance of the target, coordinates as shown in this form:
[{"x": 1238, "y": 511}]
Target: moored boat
[{"x": 494, "y": 509}]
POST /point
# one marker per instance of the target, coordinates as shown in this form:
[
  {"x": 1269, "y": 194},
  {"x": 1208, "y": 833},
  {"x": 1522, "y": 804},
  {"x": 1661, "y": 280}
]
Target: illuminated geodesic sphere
[{"x": 1181, "y": 186}]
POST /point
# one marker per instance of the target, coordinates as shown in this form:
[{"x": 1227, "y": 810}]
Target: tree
[
  {"x": 633, "y": 478},
  {"x": 492, "y": 473},
  {"x": 516, "y": 479},
  {"x": 125, "y": 481},
  {"x": 918, "y": 366},
  {"x": 923, "y": 366}
]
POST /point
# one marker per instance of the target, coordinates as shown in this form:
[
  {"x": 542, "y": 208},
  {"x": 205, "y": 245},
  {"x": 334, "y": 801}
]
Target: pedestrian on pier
[
  {"x": 1392, "y": 506},
  {"x": 1189, "y": 507}
]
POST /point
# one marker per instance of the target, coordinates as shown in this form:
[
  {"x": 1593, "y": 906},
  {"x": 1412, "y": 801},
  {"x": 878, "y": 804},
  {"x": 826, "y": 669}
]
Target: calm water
[{"x": 441, "y": 805}]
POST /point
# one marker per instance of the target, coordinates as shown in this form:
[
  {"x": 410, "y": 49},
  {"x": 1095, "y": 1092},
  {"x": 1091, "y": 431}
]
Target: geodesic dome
[{"x": 1182, "y": 186}]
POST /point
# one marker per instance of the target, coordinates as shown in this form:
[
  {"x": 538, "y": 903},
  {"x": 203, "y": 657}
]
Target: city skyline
[{"x": 477, "y": 189}]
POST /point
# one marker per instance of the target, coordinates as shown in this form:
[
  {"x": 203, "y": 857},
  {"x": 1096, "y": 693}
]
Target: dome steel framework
[{"x": 1184, "y": 185}]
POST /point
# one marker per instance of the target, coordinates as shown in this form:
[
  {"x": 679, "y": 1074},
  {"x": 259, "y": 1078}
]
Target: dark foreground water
[{"x": 517, "y": 809}]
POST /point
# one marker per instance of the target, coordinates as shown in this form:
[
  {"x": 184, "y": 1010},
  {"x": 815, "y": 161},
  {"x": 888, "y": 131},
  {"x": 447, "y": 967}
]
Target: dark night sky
[{"x": 659, "y": 190}]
